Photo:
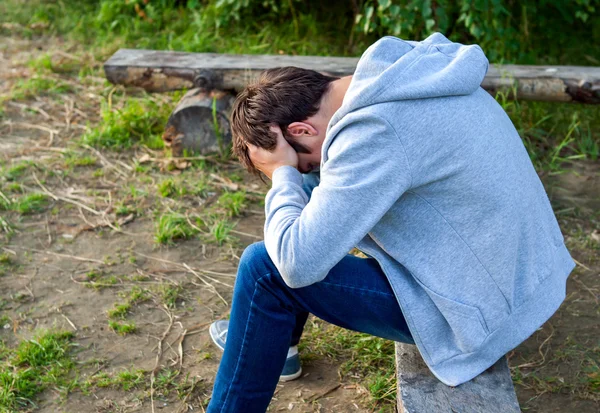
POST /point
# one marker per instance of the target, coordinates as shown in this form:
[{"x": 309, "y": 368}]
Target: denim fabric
[{"x": 267, "y": 317}]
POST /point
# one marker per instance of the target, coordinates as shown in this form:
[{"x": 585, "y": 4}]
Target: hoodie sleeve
[{"x": 365, "y": 173}]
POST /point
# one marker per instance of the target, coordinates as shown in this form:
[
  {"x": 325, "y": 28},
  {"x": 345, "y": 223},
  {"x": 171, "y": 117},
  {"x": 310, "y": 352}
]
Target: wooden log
[
  {"x": 420, "y": 391},
  {"x": 196, "y": 126},
  {"x": 160, "y": 71}
]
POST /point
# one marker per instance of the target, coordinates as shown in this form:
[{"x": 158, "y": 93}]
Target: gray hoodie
[{"x": 422, "y": 170}]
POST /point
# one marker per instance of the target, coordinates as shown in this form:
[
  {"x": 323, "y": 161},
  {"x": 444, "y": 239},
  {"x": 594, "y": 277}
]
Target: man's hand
[{"x": 267, "y": 162}]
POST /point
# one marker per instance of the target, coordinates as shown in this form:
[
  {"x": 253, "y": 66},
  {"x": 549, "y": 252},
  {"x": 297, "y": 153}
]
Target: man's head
[{"x": 290, "y": 98}]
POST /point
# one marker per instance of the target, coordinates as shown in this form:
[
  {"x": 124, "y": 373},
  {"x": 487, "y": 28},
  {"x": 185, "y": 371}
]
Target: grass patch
[
  {"x": 6, "y": 263},
  {"x": 233, "y": 203},
  {"x": 172, "y": 226},
  {"x": 125, "y": 380},
  {"x": 74, "y": 159},
  {"x": 169, "y": 294},
  {"x": 168, "y": 188},
  {"x": 122, "y": 328},
  {"x": 139, "y": 121},
  {"x": 119, "y": 311},
  {"x": 136, "y": 295},
  {"x": 99, "y": 279},
  {"x": 38, "y": 85},
  {"x": 5, "y": 321},
  {"x": 32, "y": 367},
  {"x": 220, "y": 231},
  {"x": 14, "y": 187},
  {"x": 17, "y": 171},
  {"x": 555, "y": 133},
  {"x": 570, "y": 367},
  {"x": 367, "y": 358},
  {"x": 31, "y": 203}
]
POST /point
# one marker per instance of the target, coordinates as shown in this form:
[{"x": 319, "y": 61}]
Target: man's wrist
[
  {"x": 275, "y": 167},
  {"x": 286, "y": 173}
]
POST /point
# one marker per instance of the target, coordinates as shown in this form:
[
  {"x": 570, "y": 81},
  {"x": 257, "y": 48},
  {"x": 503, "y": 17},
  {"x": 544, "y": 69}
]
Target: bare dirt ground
[{"x": 76, "y": 259}]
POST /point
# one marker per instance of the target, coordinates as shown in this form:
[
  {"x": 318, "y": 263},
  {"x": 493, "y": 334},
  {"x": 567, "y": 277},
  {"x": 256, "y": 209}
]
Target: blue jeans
[{"x": 267, "y": 317}]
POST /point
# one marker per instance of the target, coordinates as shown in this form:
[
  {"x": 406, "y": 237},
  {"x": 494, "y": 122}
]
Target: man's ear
[{"x": 300, "y": 129}]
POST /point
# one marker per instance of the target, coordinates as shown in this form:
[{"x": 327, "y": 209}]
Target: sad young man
[{"x": 410, "y": 161}]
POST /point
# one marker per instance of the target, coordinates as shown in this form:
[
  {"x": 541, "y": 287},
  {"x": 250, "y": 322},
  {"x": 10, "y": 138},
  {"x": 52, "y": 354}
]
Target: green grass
[
  {"x": 169, "y": 294},
  {"x": 35, "y": 365},
  {"x": 31, "y": 203},
  {"x": 122, "y": 328},
  {"x": 172, "y": 226},
  {"x": 555, "y": 133},
  {"x": 233, "y": 202},
  {"x": 14, "y": 187},
  {"x": 138, "y": 121},
  {"x": 125, "y": 380},
  {"x": 220, "y": 231},
  {"x": 39, "y": 85},
  {"x": 366, "y": 358},
  {"x": 5, "y": 320},
  {"x": 136, "y": 295},
  {"x": 169, "y": 188},
  {"x": 17, "y": 171},
  {"x": 6, "y": 264},
  {"x": 75, "y": 159},
  {"x": 119, "y": 311}
]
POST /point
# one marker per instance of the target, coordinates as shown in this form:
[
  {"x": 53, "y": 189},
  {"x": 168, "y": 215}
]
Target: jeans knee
[
  {"x": 255, "y": 261},
  {"x": 254, "y": 255}
]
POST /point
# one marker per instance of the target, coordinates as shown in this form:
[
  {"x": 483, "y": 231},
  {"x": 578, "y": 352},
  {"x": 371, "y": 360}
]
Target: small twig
[
  {"x": 194, "y": 226},
  {"x": 582, "y": 265},
  {"x": 32, "y": 126},
  {"x": 9, "y": 251},
  {"x": 198, "y": 275},
  {"x": 60, "y": 198},
  {"x": 58, "y": 255},
  {"x": 105, "y": 161},
  {"x": 543, "y": 355},
  {"x": 5, "y": 198},
  {"x": 222, "y": 274},
  {"x": 323, "y": 393},
  {"x": 245, "y": 233},
  {"x": 66, "y": 318},
  {"x": 588, "y": 289},
  {"x": 212, "y": 288},
  {"x": 158, "y": 355},
  {"x": 124, "y": 165},
  {"x": 180, "y": 349},
  {"x": 44, "y": 148},
  {"x": 48, "y": 232},
  {"x": 23, "y": 106}
]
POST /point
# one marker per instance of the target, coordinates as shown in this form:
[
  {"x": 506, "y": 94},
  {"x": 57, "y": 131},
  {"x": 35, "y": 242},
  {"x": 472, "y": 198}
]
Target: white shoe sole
[{"x": 291, "y": 377}]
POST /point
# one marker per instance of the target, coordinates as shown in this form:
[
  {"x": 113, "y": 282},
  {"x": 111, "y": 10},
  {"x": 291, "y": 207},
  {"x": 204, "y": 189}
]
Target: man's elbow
[{"x": 295, "y": 277}]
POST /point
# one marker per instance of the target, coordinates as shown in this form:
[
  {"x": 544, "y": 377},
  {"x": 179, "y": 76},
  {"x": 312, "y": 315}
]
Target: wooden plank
[
  {"x": 420, "y": 391},
  {"x": 160, "y": 71}
]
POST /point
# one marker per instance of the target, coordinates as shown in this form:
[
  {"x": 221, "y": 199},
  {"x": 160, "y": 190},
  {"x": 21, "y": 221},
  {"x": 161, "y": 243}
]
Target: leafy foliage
[{"x": 507, "y": 30}]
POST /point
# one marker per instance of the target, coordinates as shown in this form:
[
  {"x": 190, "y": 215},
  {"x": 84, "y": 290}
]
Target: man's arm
[{"x": 366, "y": 172}]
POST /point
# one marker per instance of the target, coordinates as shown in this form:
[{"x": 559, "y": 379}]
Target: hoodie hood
[{"x": 393, "y": 69}]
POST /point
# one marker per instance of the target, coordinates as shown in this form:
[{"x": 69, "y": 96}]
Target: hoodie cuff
[{"x": 286, "y": 174}]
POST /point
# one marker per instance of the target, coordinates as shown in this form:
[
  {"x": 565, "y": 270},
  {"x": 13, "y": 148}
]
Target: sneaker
[{"x": 291, "y": 369}]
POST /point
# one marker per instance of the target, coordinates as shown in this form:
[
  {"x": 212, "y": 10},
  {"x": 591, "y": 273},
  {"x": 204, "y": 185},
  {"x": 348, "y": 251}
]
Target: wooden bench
[{"x": 160, "y": 71}]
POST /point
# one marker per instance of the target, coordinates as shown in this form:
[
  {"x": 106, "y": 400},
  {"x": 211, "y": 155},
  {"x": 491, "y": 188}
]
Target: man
[{"x": 413, "y": 163}]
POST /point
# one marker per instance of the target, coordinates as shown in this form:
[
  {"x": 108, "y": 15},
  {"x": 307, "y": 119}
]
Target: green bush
[{"x": 506, "y": 29}]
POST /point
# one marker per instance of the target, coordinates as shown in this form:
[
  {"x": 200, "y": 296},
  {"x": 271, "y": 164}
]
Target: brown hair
[{"x": 280, "y": 96}]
